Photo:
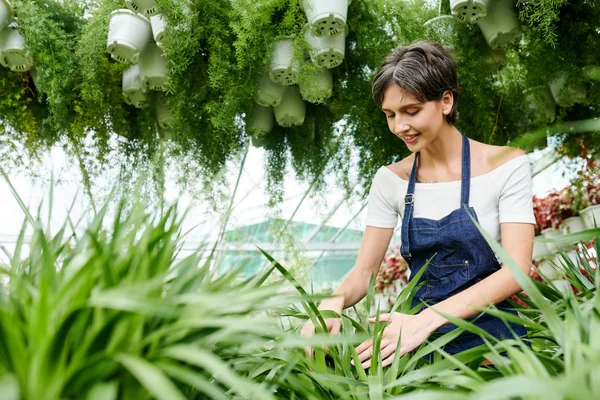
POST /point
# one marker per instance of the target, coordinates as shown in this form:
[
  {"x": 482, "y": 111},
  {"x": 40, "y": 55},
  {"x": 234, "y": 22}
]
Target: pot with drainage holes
[
  {"x": 13, "y": 52},
  {"x": 468, "y": 11},
  {"x": 501, "y": 25},
  {"x": 153, "y": 67},
  {"x": 6, "y": 13},
  {"x": 292, "y": 110},
  {"x": 147, "y": 8},
  {"x": 284, "y": 69},
  {"x": 159, "y": 24},
  {"x": 269, "y": 93},
  {"x": 326, "y": 17},
  {"x": 325, "y": 51},
  {"x": 128, "y": 36},
  {"x": 133, "y": 89},
  {"x": 261, "y": 121}
]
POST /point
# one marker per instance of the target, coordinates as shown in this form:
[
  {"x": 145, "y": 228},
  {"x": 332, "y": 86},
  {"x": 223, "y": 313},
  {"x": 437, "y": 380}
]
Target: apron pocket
[{"x": 449, "y": 269}]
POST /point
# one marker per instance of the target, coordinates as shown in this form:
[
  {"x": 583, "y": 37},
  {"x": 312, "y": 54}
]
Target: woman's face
[{"x": 416, "y": 123}]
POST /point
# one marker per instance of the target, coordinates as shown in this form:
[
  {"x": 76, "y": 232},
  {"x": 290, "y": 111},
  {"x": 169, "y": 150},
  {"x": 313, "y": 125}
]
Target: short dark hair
[{"x": 424, "y": 69}]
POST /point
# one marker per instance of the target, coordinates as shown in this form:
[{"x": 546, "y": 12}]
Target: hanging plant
[
  {"x": 128, "y": 36},
  {"x": 327, "y": 18},
  {"x": 326, "y": 51},
  {"x": 133, "y": 88},
  {"x": 468, "y": 11},
  {"x": 147, "y": 8},
  {"x": 501, "y": 25},
  {"x": 158, "y": 24},
  {"x": 6, "y": 13},
  {"x": 261, "y": 121},
  {"x": 153, "y": 68}
]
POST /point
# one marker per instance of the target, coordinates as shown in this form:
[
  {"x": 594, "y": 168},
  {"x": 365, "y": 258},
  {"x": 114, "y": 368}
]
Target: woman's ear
[{"x": 447, "y": 102}]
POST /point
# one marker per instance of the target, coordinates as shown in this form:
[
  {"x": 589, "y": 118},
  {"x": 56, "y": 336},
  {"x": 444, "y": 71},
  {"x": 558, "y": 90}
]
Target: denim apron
[{"x": 462, "y": 258}]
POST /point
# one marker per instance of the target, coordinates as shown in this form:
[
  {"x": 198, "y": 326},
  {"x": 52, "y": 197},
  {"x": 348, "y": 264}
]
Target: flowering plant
[{"x": 393, "y": 268}]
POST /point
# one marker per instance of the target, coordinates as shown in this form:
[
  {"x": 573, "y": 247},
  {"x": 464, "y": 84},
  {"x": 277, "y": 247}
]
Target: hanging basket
[
  {"x": 133, "y": 89},
  {"x": 468, "y": 11},
  {"x": 269, "y": 93},
  {"x": 284, "y": 69},
  {"x": 6, "y": 13},
  {"x": 261, "y": 121},
  {"x": 317, "y": 87},
  {"x": 153, "y": 68},
  {"x": 144, "y": 7},
  {"x": 326, "y": 51},
  {"x": 163, "y": 113},
  {"x": 292, "y": 110},
  {"x": 159, "y": 24},
  {"x": 567, "y": 95},
  {"x": 326, "y": 17},
  {"x": 13, "y": 52},
  {"x": 501, "y": 25},
  {"x": 591, "y": 216},
  {"x": 128, "y": 35}
]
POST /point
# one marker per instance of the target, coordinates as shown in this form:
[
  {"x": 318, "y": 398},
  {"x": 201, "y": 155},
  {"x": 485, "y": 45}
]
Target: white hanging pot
[
  {"x": 159, "y": 24},
  {"x": 6, "y": 13},
  {"x": 144, "y": 7},
  {"x": 563, "y": 286},
  {"x": 569, "y": 95},
  {"x": 13, "y": 52},
  {"x": 541, "y": 250},
  {"x": 292, "y": 110},
  {"x": 261, "y": 121},
  {"x": 591, "y": 216},
  {"x": 468, "y": 11},
  {"x": 572, "y": 225},
  {"x": 269, "y": 93},
  {"x": 550, "y": 270},
  {"x": 284, "y": 69},
  {"x": 539, "y": 99},
  {"x": 559, "y": 259},
  {"x": 153, "y": 68},
  {"x": 163, "y": 114},
  {"x": 317, "y": 86},
  {"x": 326, "y": 17},
  {"x": 326, "y": 51},
  {"x": 133, "y": 89},
  {"x": 501, "y": 25},
  {"x": 128, "y": 35},
  {"x": 551, "y": 233}
]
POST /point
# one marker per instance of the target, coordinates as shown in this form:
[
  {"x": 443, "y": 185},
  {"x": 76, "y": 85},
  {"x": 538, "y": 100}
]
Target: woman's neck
[{"x": 444, "y": 152}]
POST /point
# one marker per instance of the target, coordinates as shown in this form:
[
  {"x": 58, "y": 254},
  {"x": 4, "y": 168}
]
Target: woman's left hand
[{"x": 413, "y": 329}]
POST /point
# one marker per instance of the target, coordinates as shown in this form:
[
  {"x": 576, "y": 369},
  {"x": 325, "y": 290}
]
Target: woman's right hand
[{"x": 333, "y": 324}]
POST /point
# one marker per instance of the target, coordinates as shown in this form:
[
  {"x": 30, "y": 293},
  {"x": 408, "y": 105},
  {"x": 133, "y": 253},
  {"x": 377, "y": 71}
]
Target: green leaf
[{"x": 150, "y": 377}]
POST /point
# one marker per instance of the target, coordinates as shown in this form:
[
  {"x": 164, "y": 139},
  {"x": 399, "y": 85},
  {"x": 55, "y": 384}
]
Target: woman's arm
[
  {"x": 352, "y": 289},
  {"x": 517, "y": 241}
]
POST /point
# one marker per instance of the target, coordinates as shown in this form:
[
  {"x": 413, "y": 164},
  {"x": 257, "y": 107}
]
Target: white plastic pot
[
  {"x": 549, "y": 270},
  {"x": 284, "y": 69},
  {"x": 292, "y": 110},
  {"x": 13, "y": 52},
  {"x": 550, "y": 233},
  {"x": 539, "y": 99},
  {"x": 325, "y": 51},
  {"x": 144, "y": 7},
  {"x": 569, "y": 95},
  {"x": 496, "y": 57},
  {"x": 572, "y": 225},
  {"x": 158, "y": 23},
  {"x": 591, "y": 216},
  {"x": 326, "y": 17},
  {"x": 501, "y": 25},
  {"x": 563, "y": 286},
  {"x": 6, "y": 13},
  {"x": 541, "y": 251},
  {"x": 261, "y": 121},
  {"x": 560, "y": 259},
  {"x": 163, "y": 114},
  {"x": 469, "y": 11},
  {"x": 133, "y": 89},
  {"x": 128, "y": 35},
  {"x": 153, "y": 68},
  {"x": 317, "y": 86},
  {"x": 269, "y": 93}
]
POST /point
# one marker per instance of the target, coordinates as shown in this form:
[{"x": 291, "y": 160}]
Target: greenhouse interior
[{"x": 299, "y": 199}]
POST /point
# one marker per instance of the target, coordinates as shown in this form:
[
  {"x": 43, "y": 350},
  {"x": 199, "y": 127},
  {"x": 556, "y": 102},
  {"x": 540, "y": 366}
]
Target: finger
[
  {"x": 382, "y": 318},
  {"x": 309, "y": 352},
  {"x": 335, "y": 329},
  {"x": 364, "y": 345},
  {"x": 388, "y": 350},
  {"x": 385, "y": 345},
  {"x": 365, "y": 355}
]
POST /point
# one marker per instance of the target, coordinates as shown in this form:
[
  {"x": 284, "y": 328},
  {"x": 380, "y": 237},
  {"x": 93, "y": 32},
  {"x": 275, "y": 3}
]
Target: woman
[{"x": 434, "y": 191}]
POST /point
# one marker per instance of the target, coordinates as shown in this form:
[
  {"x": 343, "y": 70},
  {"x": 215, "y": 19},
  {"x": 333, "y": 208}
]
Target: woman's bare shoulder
[
  {"x": 492, "y": 156},
  {"x": 403, "y": 167}
]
